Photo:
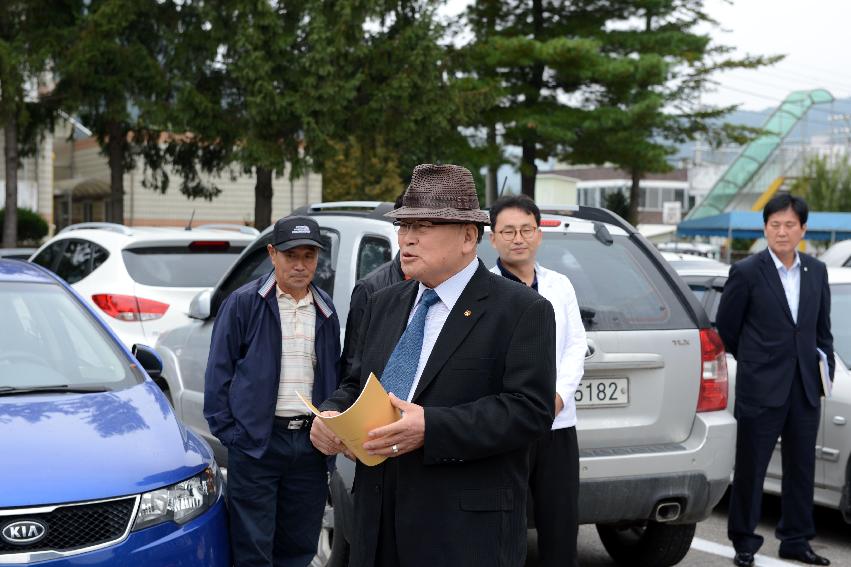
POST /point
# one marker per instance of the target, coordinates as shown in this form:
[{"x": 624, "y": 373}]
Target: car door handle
[
  {"x": 626, "y": 361},
  {"x": 829, "y": 454},
  {"x": 838, "y": 420}
]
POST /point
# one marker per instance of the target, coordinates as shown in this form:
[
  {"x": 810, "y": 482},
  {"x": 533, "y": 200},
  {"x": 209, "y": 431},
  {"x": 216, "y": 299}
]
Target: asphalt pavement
[{"x": 711, "y": 547}]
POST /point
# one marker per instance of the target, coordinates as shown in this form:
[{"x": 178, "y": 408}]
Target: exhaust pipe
[{"x": 667, "y": 511}]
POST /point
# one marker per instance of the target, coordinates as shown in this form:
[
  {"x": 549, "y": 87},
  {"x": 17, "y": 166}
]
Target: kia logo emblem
[{"x": 24, "y": 532}]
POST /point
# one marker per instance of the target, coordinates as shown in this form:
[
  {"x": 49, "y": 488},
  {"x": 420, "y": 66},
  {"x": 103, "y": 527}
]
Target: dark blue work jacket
[{"x": 244, "y": 365}]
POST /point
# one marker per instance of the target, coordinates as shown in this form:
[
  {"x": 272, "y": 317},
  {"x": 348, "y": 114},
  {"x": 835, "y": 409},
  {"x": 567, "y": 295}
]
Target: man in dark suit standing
[
  {"x": 774, "y": 315},
  {"x": 469, "y": 357}
]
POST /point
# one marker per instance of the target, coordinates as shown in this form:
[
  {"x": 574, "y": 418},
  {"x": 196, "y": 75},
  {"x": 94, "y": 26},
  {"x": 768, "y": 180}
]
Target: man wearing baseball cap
[{"x": 274, "y": 337}]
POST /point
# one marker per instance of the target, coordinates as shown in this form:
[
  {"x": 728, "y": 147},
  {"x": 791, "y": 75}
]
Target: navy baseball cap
[{"x": 290, "y": 232}]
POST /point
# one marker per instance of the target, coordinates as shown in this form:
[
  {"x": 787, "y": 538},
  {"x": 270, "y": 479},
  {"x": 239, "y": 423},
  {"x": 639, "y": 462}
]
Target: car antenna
[
  {"x": 502, "y": 189},
  {"x": 189, "y": 224}
]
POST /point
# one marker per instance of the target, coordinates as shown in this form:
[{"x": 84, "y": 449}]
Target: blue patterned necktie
[{"x": 399, "y": 373}]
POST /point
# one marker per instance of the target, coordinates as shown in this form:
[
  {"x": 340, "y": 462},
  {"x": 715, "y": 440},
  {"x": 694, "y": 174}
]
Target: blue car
[{"x": 94, "y": 466}]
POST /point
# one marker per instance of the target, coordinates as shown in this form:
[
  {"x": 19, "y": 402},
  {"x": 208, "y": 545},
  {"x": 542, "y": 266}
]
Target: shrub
[{"x": 31, "y": 227}]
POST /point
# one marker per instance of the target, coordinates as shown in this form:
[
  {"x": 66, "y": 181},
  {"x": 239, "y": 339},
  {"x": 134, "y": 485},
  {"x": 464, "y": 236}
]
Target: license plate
[{"x": 596, "y": 392}]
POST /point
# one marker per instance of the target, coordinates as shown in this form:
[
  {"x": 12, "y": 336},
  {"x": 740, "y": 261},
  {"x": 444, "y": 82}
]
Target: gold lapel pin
[{"x": 467, "y": 313}]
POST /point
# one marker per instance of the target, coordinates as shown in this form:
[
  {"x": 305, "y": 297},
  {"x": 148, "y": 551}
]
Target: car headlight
[{"x": 180, "y": 502}]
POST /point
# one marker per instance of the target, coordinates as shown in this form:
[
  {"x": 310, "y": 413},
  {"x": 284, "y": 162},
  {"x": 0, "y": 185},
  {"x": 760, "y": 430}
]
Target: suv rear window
[
  {"x": 179, "y": 266},
  {"x": 617, "y": 286}
]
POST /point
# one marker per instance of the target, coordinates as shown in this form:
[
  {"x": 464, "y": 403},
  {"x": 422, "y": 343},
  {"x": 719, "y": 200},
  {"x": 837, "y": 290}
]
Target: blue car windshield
[{"x": 49, "y": 339}]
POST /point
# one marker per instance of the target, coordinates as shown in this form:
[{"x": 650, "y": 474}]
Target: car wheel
[{"x": 650, "y": 543}]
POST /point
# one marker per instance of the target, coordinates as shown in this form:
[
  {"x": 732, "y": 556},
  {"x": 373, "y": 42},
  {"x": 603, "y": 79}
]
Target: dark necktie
[{"x": 399, "y": 373}]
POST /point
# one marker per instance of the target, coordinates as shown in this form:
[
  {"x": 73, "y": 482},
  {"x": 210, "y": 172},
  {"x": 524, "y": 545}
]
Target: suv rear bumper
[{"x": 623, "y": 485}]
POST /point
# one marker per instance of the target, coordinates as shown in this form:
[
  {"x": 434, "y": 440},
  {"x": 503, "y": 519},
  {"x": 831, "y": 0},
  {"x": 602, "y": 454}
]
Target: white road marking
[{"x": 707, "y": 546}]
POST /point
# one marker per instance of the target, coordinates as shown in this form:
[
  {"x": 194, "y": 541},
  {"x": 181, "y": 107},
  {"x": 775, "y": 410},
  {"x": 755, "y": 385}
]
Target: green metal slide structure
[{"x": 742, "y": 173}]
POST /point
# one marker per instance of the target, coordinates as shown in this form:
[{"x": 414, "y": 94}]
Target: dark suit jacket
[
  {"x": 384, "y": 276},
  {"x": 488, "y": 390},
  {"x": 757, "y": 328}
]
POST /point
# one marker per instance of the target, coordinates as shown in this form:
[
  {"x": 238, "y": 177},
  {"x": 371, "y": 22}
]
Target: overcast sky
[{"x": 815, "y": 36}]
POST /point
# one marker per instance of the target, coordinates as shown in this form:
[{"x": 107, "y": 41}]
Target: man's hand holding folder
[{"x": 375, "y": 427}]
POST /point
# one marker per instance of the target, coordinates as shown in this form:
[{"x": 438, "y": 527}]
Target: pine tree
[
  {"x": 264, "y": 86},
  {"x": 408, "y": 105},
  {"x": 648, "y": 97},
  {"x": 534, "y": 55}
]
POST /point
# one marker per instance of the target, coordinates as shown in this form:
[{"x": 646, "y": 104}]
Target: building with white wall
[
  {"x": 81, "y": 192},
  {"x": 35, "y": 178},
  {"x": 67, "y": 182},
  {"x": 554, "y": 190},
  {"x": 594, "y": 183}
]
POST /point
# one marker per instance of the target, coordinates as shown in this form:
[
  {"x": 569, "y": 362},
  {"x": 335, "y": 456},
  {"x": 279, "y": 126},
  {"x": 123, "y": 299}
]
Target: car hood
[{"x": 70, "y": 447}]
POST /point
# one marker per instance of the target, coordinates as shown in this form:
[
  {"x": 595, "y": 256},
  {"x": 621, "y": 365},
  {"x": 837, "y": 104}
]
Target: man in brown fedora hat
[{"x": 469, "y": 358}]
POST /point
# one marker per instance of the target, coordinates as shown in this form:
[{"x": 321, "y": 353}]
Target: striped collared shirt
[{"x": 298, "y": 352}]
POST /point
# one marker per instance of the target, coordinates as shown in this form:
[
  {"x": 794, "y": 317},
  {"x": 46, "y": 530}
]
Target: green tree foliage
[
  {"x": 618, "y": 203},
  {"x": 742, "y": 244},
  {"x": 264, "y": 85},
  {"x": 31, "y": 33},
  {"x": 534, "y": 55},
  {"x": 114, "y": 75},
  {"x": 647, "y": 95},
  {"x": 594, "y": 81},
  {"x": 407, "y": 106},
  {"x": 352, "y": 173},
  {"x": 826, "y": 184},
  {"x": 30, "y": 227}
]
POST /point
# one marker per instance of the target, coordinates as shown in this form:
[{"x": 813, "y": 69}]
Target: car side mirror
[
  {"x": 149, "y": 359},
  {"x": 199, "y": 307}
]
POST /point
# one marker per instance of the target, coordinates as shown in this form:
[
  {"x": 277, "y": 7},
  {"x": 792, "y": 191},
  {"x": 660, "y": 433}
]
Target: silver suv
[
  {"x": 656, "y": 444},
  {"x": 357, "y": 240}
]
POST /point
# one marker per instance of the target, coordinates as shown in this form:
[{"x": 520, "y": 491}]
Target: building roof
[
  {"x": 749, "y": 224},
  {"x": 611, "y": 173}
]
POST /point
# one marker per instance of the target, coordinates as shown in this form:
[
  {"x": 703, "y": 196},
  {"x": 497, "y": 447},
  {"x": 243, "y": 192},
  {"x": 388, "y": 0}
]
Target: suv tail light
[
  {"x": 209, "y": 246},
  {"x": 713, "y": 376},
  {"x": 129, "y": 308}
]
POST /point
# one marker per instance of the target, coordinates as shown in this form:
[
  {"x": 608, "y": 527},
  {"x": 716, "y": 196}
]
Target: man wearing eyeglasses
[
  {"x": 554, "y": 458},
  {"x": 469, "y": 357}
]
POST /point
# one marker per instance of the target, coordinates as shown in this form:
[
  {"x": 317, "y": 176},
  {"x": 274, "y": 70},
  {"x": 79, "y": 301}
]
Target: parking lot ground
[{"x": 711, "y": 548}]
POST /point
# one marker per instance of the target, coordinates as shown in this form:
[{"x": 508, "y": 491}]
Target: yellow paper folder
[{"x": 372, "y": 409}]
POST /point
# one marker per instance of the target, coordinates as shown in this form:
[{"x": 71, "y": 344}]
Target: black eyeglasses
[
  {"x": 525, "y": 231},
  {"x": 418, "y": 228}
]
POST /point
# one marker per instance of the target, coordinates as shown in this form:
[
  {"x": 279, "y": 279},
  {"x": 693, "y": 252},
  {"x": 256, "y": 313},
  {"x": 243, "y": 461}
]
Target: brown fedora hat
[{"x": 441, "y": 192}]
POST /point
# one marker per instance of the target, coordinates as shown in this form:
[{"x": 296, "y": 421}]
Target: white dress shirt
[
  {"x": 448, "y": 292},
  {"x": 571, "y": 344},
  {"x": 791, "y": 280}
]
